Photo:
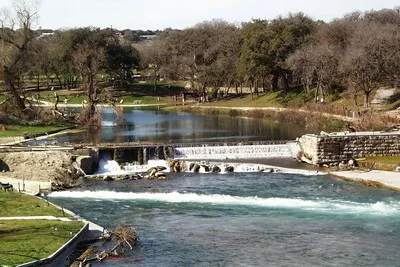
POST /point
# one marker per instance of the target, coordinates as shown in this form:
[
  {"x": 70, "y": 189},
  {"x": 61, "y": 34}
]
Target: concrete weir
[
  {"x": 336, "y": 147},
  {"x": 140, "y": 154}
]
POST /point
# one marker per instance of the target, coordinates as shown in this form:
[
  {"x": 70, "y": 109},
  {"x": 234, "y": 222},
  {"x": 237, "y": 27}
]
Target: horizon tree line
[{"x": 356, "y": 53}]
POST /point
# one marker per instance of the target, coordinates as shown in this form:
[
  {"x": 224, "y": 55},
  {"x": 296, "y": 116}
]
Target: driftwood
[{"x": 123, "y": 236}]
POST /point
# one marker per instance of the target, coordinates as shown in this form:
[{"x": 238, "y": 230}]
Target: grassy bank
[
  {"x": 15, "y": 204},
  {"x": 31, "y": 130},
  {"x": 25, "y": 241},
  {"x": 380, "y": 163},
  {"x": 29, "y": 240}
]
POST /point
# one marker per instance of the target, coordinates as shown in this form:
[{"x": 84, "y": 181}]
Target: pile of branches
[{"x": 123, "y": 237}]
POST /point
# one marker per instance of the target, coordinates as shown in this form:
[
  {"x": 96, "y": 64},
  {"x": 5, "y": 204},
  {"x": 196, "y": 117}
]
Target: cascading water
[{"x": 288, "y": 150}]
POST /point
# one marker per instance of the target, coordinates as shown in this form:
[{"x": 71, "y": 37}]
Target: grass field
[
  {"x": 384, "y": 160},
  {"x": 30, "y": 130},
  {"x": 15, "y": 204},
  {"x": 24, "y": 241},
  {"x": 28, "y": 240}
]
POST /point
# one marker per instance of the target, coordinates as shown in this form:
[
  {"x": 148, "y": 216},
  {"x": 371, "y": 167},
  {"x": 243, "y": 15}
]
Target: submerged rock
[
  {"x": 230, "y": 169},
  {"x": 108, "y": 178},
  {"x": 215, "y": 169}
]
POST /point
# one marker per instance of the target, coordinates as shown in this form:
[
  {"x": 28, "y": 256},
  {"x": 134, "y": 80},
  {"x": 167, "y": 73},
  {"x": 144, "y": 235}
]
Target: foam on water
[
  {"x": 288, "y": 150},
  {"x": 318, "y": 206},
  {"x": 111, "y": 167}
]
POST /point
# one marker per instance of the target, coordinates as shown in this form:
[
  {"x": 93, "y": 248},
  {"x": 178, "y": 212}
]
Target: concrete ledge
[{"x": 380, "y": 179}]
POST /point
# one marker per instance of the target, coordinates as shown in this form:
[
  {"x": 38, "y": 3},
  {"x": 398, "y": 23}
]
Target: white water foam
[
  {"x": 320, "y": 206},
  {"x": 288, "y": 150},
  {"x": 111, "y": 167}
]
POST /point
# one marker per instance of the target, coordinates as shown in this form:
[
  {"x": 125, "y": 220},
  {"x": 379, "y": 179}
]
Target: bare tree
[
  {"x": 88, "y": 60},
  {"x": 15, "y": 45}
]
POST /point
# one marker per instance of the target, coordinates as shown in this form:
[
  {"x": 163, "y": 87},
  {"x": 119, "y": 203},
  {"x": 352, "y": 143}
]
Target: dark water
[
  {"x": 179, "y": 127},
  {"x": 247, "y": 219}
]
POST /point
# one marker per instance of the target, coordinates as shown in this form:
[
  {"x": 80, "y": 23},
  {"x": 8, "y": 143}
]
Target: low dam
[{"x": 335, "y": 147}]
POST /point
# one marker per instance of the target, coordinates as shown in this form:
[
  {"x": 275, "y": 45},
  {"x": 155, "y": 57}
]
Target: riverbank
[{"x": 380, "y": 179}]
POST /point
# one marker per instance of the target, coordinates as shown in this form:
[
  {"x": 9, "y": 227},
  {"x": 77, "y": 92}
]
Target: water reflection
[{"x": 180, "y": 127}]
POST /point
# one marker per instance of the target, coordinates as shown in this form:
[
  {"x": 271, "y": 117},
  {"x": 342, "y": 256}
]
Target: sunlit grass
[{"x": 24, "y": 241}]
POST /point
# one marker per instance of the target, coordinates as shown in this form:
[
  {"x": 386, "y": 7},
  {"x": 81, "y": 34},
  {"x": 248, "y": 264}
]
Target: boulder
[
  {"x": 206, "y": 168},
  {"x": 215, "y": 169},
  {"x": 108, "y": 178},
  {"x": 85, "y": 163},
  {"x": 398, "y": 169},
  {"x": 196, "y": 168},
  {"x": 229, "y": 169},
  {"x": 386, "y": 95}
]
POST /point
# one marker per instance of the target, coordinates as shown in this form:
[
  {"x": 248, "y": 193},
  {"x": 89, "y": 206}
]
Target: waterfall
[{"x": 288, "y": 150}]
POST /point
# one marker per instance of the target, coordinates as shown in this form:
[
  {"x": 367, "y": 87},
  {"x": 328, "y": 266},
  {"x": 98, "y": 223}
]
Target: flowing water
[
  {"x": 255, "y": 216},
  {"x": 299, "y": 218}
]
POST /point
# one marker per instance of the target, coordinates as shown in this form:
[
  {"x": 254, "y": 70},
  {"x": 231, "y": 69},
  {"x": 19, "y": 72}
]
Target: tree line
[{"x": 358, "y": 53}]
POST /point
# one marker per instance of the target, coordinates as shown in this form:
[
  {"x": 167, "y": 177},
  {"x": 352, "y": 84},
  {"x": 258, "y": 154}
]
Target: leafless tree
[{"x": 15, "y": 44}]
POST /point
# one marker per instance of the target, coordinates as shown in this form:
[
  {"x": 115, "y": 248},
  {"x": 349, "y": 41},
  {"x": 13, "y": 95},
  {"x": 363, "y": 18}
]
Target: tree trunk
[
  {"x": 92, "y": 97},
  {"x": 155, "y": 80},
  {"x": 59, "y": 81},
  {"x": 366, "y": 100},
  {"x": 8, "y": 79},
  {"x": 38, "y": 82},
  {"x": 285, "y": 81},
  {"x": 256, "y": 88},
  {"x": 274, "y": 82}
]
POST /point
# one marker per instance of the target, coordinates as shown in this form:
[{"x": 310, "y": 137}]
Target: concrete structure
[{"x": 335, "y": 147}]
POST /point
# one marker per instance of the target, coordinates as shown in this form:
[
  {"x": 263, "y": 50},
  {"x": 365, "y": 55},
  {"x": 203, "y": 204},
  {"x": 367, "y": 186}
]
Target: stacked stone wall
[{"x": 331, "y": 148}]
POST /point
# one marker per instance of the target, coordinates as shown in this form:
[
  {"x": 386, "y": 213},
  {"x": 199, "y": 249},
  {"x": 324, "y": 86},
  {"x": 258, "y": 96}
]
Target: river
[{"x": 293, "y": 218}]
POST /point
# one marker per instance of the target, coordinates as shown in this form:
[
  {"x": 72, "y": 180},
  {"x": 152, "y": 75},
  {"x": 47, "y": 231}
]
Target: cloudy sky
[{"x": 160, "y": 14}]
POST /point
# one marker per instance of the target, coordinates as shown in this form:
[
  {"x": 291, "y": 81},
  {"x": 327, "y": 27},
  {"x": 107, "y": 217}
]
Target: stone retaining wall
[{"x": 333, "y": 148}]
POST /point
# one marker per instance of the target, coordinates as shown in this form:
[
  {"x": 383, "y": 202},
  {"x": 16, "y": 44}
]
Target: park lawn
[
  {"x": 31, "y": 130},
  {"x": 130, "y": 99},
  {"x": 264, "y": 100},
  {"x": 15, "y": 204},
  {"x": 24, "y": 241}
]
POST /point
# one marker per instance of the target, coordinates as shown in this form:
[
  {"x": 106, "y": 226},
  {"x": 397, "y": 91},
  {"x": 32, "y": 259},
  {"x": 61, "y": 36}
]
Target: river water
[
  {"x": 284, "y": 218},
  {"x": 153, "y": 125},
  {"x": 246, "y": 219}
]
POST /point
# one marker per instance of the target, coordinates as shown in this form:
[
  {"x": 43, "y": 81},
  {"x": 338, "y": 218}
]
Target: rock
[
  {"x": 196, "y": 168},
  {"x": 191, "y": 166},
  {"x": 85, "y": 163},
  {"x": 161, "y": 168},
  {"x": 206, "y": 168},
  {"x": 398, "y": 169},
  {"x": 229, "y": 169},
  {"x": 215, "y": 169},
  {"x": 153, "y": 172},
  {"x": 270, "y": 170},
  {"x": 386, "y": 95},
  {"x": 158, "y": 174},
  {"x": 108, "y": 178}
]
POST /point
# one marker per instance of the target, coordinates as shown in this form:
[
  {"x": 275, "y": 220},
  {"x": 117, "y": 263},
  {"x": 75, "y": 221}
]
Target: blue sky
[{"x": 157, "y": 14}]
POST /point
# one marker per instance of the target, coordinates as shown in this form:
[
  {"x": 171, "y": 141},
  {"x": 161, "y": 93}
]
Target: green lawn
[
  {"x": 31, "y": 130},
  {"x": 15, "y": 204},
  {"x": 264, "y": 100},
  {"x": 26, "y": 241},
  {"x": 384, "y": 160}
]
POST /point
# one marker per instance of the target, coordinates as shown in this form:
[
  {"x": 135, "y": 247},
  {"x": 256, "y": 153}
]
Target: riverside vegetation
[{"x": 291, "y": 60}]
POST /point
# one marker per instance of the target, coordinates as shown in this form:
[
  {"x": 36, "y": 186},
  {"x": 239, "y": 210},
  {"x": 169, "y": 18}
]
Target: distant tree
[
  {"x": 120, "y": 60},
  {"x": 372, "y": 57}
]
